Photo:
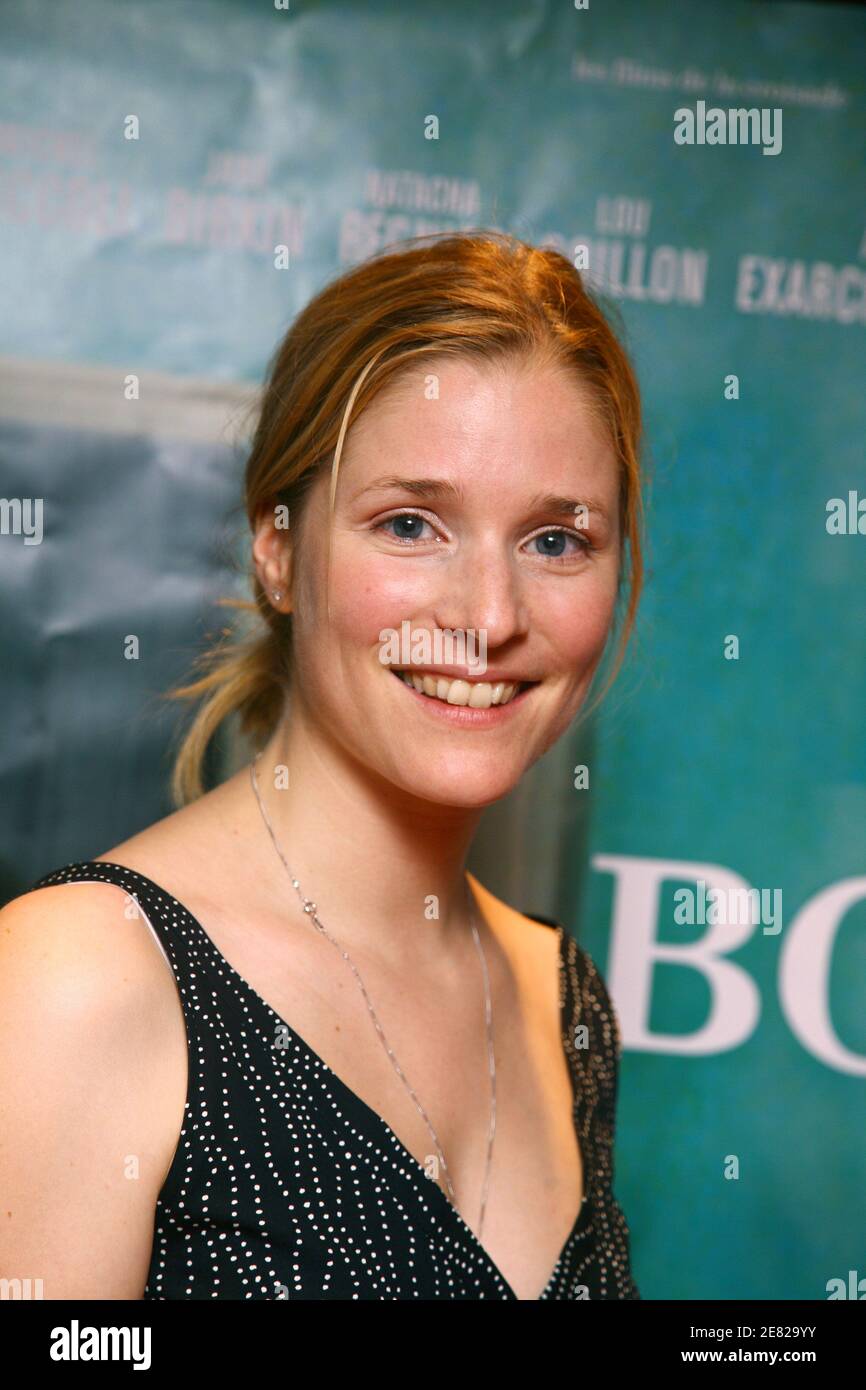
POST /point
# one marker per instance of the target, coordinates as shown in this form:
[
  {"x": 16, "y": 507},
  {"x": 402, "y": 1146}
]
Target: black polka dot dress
[{"x": 285, "y": 1184}]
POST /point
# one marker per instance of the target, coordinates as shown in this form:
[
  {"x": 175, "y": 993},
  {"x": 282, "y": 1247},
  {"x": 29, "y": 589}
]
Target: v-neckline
[{"x": 409, "y": 1161}]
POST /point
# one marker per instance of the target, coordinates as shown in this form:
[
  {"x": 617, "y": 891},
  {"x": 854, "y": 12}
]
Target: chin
[{"x": 460, "y": 785}]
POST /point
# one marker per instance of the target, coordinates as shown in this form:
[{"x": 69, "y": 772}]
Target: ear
[{"x": 272, "y": 554}]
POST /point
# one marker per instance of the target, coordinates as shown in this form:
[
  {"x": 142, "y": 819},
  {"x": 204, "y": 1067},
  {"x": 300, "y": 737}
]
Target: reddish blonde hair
[{"x": 484, "y": 295}]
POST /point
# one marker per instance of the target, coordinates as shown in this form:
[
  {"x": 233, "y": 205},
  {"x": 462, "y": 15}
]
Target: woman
[{"x": 362, "y": 1075}]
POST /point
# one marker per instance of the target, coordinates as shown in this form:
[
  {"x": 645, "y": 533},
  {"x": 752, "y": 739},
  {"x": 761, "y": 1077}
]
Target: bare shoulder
[
  {"x": 535, "y": 944},
  {"x": 79, "y": 943},
  {"x": 78, "y": 964},
  {"x": 86, "y": 1022}
]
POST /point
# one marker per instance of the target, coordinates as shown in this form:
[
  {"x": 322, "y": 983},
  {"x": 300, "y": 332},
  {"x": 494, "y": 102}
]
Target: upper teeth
[{"x": 477, "y": 694}]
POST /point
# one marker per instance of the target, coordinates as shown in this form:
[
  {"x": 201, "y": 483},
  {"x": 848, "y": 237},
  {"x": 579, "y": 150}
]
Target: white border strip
[{"x": 79, "y": 396}]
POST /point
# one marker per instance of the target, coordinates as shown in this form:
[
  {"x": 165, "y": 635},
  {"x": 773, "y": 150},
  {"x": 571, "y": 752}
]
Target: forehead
[{"x": 453, "y": 411}]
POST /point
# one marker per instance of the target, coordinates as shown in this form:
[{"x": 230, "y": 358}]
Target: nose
[{"x": 482, "y": 589}]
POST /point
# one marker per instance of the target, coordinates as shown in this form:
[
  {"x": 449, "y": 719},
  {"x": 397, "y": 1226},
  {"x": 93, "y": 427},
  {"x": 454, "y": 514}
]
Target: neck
[{"x": 385, "y": 868}]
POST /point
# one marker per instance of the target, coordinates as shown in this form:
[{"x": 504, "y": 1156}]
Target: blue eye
[
  {"x": 560, "y": 534},
  {"x": 408, "y": 528},
  {"x": 415, "y": 524}
]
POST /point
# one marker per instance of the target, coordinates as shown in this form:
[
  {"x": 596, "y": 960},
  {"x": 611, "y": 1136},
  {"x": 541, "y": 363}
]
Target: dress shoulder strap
[{"x": 594, "y": 1008}]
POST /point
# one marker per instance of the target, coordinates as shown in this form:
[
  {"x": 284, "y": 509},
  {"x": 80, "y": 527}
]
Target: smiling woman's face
[{"x": 470, "y": 540}]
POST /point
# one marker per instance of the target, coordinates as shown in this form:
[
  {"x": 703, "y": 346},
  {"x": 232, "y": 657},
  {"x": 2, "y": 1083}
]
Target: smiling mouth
[{"x": 471, "y": 694}]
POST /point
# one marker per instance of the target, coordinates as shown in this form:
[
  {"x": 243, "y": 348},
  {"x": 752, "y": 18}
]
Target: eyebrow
[{"x": 550, "y": 502}]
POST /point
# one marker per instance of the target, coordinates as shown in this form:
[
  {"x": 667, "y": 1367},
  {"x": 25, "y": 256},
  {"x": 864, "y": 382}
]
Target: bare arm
[{"x": 90, "y": 1107}]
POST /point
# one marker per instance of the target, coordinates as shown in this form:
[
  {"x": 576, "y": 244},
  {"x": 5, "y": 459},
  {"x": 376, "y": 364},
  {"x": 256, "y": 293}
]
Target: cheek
[
  {"x": 365, "y": 598},
  {"x": 577, "y": 627}
]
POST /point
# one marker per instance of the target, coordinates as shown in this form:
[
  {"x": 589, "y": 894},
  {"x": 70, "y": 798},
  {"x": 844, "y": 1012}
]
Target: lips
[
  {"x": 464, "y": 702},
  {"x": 457, "y": 691}
]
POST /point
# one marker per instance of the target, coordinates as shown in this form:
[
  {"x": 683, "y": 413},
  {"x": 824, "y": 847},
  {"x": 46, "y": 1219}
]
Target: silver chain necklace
[{"x": 310, "y": 909}]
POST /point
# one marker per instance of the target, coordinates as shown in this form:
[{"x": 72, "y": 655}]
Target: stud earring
[{"x": 276, "y": 595}]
